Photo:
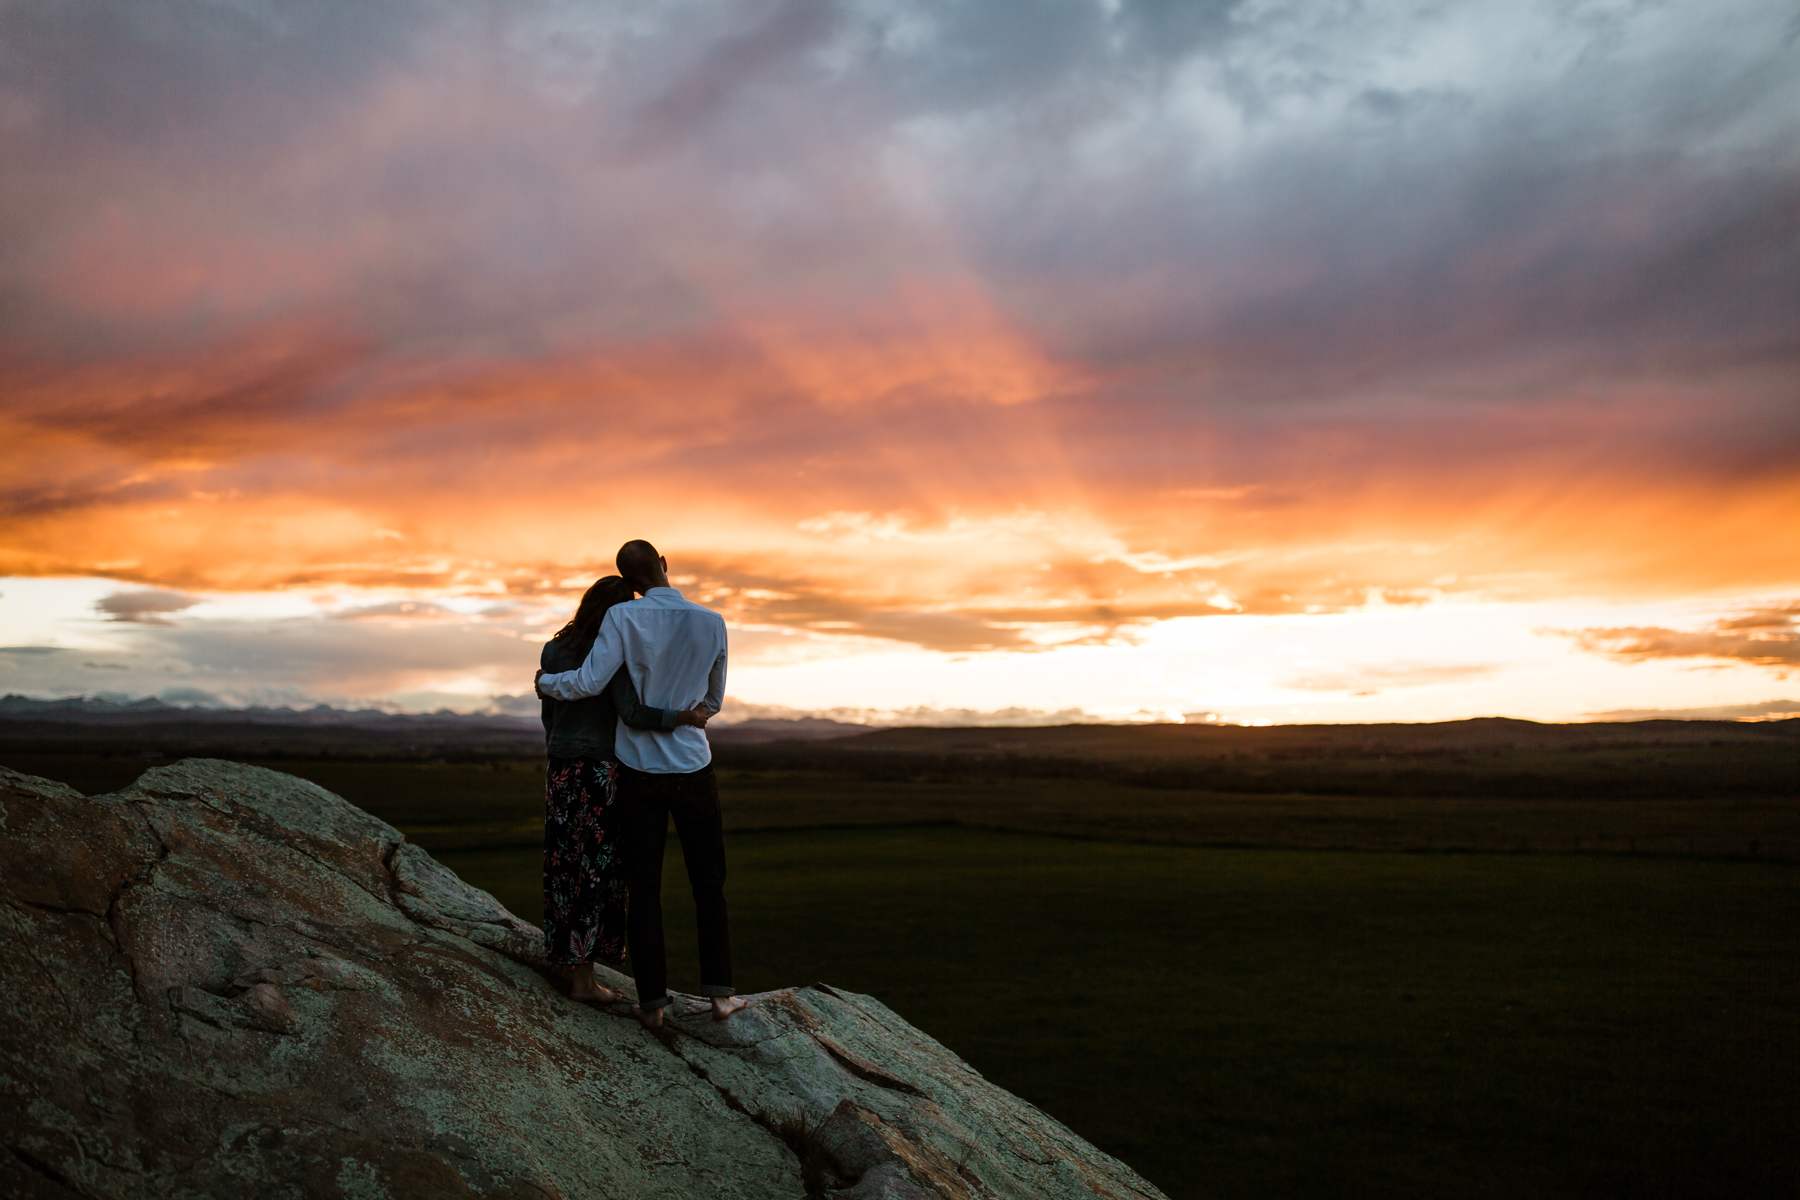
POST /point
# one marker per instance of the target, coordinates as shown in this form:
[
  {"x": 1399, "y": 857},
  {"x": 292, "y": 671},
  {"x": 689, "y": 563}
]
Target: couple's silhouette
[{"x": 627, "y": 687}]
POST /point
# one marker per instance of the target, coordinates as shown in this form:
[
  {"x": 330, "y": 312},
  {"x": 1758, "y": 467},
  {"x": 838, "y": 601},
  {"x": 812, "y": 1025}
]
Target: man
[{"x": 675, "y": 652}]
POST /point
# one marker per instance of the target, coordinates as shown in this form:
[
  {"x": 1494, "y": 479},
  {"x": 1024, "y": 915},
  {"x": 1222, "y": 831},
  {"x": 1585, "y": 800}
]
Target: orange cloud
[
  {"x": 1768, "y": 637},
  {"x": 873, "y": 349}
]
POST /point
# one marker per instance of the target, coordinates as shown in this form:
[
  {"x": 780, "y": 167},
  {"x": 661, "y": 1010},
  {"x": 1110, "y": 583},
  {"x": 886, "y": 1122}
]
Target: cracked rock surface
[{"x": 227, "y": 981}]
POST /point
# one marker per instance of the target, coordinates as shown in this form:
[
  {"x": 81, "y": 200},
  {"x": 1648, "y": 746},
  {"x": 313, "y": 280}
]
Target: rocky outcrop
[{"x": 226, "y": 981}]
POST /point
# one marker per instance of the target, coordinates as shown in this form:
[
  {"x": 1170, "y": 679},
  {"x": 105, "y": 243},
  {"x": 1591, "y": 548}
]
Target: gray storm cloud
[
  {"x": 1258, "y": 244},
  {"x": 1297, "y": 198}
]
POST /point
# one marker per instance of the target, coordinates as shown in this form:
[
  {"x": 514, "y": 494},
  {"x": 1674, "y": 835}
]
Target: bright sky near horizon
[{"x": 1249, "y": 361}]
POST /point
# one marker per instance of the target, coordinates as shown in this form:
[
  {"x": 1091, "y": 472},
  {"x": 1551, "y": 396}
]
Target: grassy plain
[
  {"x": 1486, "y": 961},
  {"x": 1301, "y": 1023},
  {"x": 1734, "y": 793}
]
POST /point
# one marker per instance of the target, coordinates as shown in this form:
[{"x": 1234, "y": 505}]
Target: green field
[
  {"x": 1256, "y": 1023},
  {"x": 1554, "y": 806},
  {"x": 1408, "y": 961}
]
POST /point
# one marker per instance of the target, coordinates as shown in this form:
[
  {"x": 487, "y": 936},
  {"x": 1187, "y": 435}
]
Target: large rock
[{"x": 226, "y": 981}]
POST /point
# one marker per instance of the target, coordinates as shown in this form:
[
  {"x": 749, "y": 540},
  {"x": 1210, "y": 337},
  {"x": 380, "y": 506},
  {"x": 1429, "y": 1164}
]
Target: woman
[{"x": 584, "y": 875}]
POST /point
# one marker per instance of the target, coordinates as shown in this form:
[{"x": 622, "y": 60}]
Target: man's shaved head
[{"x": 642, "y": 567}]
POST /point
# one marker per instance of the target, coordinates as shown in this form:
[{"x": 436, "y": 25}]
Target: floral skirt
[{"x": 584, "y": 870}]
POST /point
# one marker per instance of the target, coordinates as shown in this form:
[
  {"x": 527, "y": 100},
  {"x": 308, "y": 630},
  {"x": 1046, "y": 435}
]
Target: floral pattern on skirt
[{"x": 584, "y": 871}]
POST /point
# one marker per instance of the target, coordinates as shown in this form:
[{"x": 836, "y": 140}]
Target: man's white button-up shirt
[{"x": 675, "y": 651}]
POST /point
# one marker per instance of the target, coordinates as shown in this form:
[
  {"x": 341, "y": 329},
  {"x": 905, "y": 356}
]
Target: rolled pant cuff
[
  {"x": 662, "y": 1001},
  {"x": 717, "y": 990}
]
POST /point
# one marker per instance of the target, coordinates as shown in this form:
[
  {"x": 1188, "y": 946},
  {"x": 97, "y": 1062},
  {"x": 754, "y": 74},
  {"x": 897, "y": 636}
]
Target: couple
[{"x": 627, "y": 688}]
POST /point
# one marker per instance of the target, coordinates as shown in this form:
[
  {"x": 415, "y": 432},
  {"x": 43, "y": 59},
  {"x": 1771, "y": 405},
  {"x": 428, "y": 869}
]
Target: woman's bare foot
[
  {"x": 583, "y": 987},
  {"x": 724, "y": 1006},
  {"x": 598, "y": 991}
]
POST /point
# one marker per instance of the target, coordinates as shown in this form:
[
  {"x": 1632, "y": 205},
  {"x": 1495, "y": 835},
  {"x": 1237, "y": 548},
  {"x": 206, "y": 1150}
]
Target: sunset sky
[{"x": 1255, "y": 362}]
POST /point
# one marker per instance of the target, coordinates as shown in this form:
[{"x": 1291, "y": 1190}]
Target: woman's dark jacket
[{"x": 584, "y": 728}]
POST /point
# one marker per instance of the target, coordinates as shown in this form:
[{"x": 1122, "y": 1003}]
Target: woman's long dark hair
[{"x": 584, "y": 626}]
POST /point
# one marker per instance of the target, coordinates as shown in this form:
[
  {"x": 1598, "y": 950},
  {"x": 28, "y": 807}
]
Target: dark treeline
[
  {"x": 1493, "y": 757},
  {"x": 1507, "y": 758}
]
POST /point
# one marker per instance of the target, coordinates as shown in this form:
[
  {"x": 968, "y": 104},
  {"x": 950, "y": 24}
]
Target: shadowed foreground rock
[{"x": 226, "y": 981}]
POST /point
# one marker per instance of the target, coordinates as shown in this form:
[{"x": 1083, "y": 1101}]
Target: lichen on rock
[{"x": 227, "y": 981}]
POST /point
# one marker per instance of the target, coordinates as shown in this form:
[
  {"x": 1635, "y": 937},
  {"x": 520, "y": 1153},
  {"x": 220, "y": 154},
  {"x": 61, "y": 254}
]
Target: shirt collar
[{"x": 664, "y": 588}]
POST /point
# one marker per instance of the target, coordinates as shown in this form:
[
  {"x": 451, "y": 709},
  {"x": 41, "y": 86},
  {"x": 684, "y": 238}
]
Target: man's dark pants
[{"x": 646, "y": 802}]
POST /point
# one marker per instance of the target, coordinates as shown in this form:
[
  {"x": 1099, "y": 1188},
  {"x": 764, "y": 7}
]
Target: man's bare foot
[
  {"x": 649, "y": 1018},
  {"x": 724, "y": 1006}
]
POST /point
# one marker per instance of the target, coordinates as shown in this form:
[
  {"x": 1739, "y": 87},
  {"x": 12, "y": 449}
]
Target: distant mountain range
[
  {"x": 88, "y": 709},
  {"x": 123, "y": 725},
  {"x": 101, "y": 711}
]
